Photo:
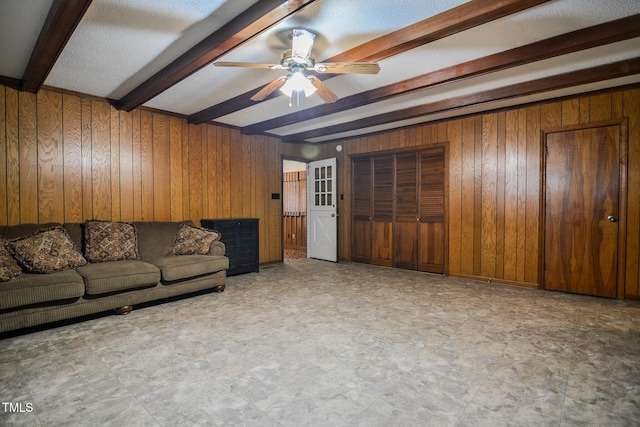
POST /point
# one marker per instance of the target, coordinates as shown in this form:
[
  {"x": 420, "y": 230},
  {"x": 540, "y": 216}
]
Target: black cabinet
[{"x": 240, "y": 236}]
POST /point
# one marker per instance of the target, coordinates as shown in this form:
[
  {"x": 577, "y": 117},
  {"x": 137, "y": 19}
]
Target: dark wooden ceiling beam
[
  {"x": 250, "y": 23},
  {"x": 11, "y": 82},
  {"x": 452, "y": 21},
  {"x": 62, "y": 20},
  {"x": 561, "y": 81},
  {"x": 463, "y": 17},
  {"x": 597, "y": 35}
]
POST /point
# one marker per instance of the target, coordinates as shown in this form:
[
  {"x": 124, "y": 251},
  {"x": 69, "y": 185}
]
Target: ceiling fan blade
[
  {"x": 249, "y": 65},
  {"x": 323, "y": 91},
  {"x": 347, "y": 68},
  {"x": 269, "y": 89},
  {"x": 302, "y": 43}
]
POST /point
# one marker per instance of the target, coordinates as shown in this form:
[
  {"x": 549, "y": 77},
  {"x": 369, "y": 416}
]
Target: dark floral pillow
[
  {"x": 192, "y": 240},
  {"x": 9, "y": 268},
  {"x": 46, "y": 251},
  {"x": 110, "y": 241}
]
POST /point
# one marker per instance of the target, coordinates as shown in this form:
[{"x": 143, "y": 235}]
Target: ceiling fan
[{"x": 297, "y": 61}]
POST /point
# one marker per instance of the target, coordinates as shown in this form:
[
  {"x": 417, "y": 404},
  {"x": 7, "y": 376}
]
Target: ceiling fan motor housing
[{"x": 288, "y": 60}]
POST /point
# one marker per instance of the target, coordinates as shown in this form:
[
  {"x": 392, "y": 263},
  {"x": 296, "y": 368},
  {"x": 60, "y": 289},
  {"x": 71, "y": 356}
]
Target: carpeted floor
[{"x": 314, "y": 343}]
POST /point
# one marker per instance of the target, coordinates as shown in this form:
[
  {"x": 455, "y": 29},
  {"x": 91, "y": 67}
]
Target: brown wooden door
[
  {"x": 406, "y": 212},
  {"x": 431, "y": 246},
  {"x": 581, "y": 210},
  {"x": 361, "y": 210},
  {"x": 382, "y": 248}
]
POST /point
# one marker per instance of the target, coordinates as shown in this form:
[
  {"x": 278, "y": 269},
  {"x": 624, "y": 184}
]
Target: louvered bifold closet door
[
  {"x": 406, "y": 213},
  {"x": 382, "y": 219},
  {"x": 431, "y": 247},
  {"x": 361, "y": 210}
]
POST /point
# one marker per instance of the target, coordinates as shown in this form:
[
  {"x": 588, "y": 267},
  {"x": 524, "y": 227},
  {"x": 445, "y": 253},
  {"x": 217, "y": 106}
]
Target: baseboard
[{"x": 492, "y": 280}]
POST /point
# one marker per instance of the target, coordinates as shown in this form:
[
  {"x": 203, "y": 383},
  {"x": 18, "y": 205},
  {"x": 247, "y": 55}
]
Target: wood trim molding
[
  {"x": 575, "y": 78},
  {"x": 250, "y": 23},
  {"x": 10, "y": 82},
  {"x": 590, "y": 125},
  {"x": 439, "y": 145},
  {"x": 62, "y": 20},
  {"x": 452, "y": 21},
  {"x": 622, "y": 207},
  {"x": 498, "y": 281},
  {"x": 597, "y": 35}
]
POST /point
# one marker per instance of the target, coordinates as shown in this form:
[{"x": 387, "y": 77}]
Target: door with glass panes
[{"x": 322, "y": 232}]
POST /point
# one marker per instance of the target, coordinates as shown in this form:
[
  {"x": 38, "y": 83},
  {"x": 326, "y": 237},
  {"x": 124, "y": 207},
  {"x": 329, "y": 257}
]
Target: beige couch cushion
[
  {"x": 35, "y": 288},
  {"x": 107, "y": 277},
  {"x": 75, "y": 231},
  {"x": 156, "y": 238},
  {"x": 186, "y": 266}
]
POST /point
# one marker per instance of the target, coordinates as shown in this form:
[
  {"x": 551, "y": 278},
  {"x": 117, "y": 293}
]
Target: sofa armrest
[{"x": 217, "y": 248}]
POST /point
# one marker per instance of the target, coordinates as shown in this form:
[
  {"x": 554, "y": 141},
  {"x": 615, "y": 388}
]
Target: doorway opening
[{"x": 294, "y": 209}]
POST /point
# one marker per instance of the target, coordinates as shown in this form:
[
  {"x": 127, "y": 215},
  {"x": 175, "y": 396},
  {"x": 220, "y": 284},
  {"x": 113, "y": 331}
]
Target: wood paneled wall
[
  {"x": 295, "y": 231},
  {"x": 294, "y": 199},
  {"x": 68, "y": 158},
  {"x": 494, "y": 186}
]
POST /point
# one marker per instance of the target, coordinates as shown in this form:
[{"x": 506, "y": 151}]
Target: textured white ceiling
[
  {"x": 20, "y": 24},
  {"x": 121, "y": 43},
  {"x": 540, "y": 69},
  {"x": 340, "y": 25},
  {"x": 542, "y": 22}
]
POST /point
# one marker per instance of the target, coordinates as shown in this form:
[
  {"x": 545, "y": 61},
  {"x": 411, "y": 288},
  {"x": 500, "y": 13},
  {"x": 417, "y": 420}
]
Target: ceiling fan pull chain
[{"x": 297, "y": 95}]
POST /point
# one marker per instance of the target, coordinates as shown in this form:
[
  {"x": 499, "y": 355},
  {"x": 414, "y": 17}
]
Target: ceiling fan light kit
[
  {"x": 297, "y": 60},
  {"x": 297, "y": 81}
]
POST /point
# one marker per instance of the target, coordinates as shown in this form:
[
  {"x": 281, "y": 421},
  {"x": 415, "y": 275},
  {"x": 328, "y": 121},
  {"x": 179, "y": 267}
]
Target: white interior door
[{"x": 322, "y": 233}]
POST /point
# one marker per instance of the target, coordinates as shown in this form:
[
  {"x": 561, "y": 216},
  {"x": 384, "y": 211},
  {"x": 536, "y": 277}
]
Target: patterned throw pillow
[
  {"x": 192, "y": 240},
  {"x": 46, "y": 251},
  {"x": 110, "y": 241},
  {"x": 9, "y": 268}
]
